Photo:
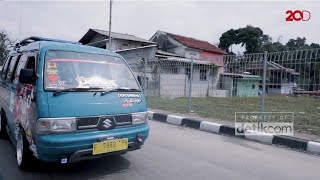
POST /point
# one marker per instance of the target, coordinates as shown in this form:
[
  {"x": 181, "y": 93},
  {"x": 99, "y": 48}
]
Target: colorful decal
[
  {"x": 53, "y": 78},
  {"x": 23, "y": 112},
  {"x": 11, "y": 101},
  {"x": 52, "y": 75},
  {"x": 52, "y": 68}
]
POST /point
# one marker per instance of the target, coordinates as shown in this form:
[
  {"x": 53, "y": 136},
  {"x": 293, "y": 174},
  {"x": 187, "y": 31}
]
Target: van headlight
[
  {"x": 139, "y": 118},
  {"x": 56, "y": 125}
]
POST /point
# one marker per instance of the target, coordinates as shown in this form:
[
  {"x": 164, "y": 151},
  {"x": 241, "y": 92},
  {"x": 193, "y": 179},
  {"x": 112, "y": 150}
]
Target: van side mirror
[{"x": 26, "y": 76}]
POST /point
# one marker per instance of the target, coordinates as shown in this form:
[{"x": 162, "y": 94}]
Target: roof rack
[{"x": 36, "y": 38}]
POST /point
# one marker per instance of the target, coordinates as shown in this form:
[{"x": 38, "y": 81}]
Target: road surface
[{"x": 174, "y": 152}]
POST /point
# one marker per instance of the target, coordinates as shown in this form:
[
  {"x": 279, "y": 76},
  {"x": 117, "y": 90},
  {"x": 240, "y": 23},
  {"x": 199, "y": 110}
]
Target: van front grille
[
  {"x": 88, "y": 122},
  {"x": 93, "y": 122}
]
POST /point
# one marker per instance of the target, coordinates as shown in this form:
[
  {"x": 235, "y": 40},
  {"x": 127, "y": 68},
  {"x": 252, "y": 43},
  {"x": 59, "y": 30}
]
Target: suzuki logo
[{"x": 107, "y": 123}]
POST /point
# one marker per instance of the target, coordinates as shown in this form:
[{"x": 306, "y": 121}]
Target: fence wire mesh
[{"x": 218, "y": 91}]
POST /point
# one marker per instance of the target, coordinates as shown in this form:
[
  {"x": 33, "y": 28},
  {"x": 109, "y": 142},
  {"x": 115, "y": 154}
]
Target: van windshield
[{"x": 64, "y": 70}]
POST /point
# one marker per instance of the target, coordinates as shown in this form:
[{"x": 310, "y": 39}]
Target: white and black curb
[{"x": 286, "y": 141}]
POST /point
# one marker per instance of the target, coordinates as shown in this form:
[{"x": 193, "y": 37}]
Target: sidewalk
[{"x": 309, "y": 137}]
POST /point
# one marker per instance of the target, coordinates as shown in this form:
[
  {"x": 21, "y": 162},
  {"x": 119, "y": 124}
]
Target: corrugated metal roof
[
  {"x": 167, "y": 54},
  {"x": 245, "y": 76},
  {"x": 186, "y": 60},
  {"x": 92, "y": 32},
  {"x": 132, "y": 49}
]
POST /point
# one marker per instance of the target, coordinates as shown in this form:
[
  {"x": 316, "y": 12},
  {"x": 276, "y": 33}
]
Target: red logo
[{"x": 298, "y": 15}]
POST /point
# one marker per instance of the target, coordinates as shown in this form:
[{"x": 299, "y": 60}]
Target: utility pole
[{"x": 110, "y": 17}]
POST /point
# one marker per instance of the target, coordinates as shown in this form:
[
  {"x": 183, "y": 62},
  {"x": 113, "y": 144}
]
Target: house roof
[
  {"x": 243, "y": 76},
  {"x": 92, "y": 32},
  {"x": 178, "y": 60},
  {"x": 132, "y": 49},
  {"x": 164, "y": 54},
  {"x": 196, "y": 44},
  {"x": 272, "y": 66}
]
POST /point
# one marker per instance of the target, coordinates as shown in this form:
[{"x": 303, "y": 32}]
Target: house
[
  {"x": 188, "y": 47},
  {"x": 240, "y": 85},
  {"x": 280, "y": 79},
  {"x": 120, "y": 41},
  {"x": 172, "y": 66},
  {"x": 165, "y": 69},
  {"x": 134, "y": 49}
]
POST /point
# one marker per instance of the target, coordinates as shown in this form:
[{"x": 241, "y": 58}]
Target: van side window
[
  {"x": 31, "y": 63},
  {"x": 21, "y": 65},
  {"x": 13, "y": 68},
  {"x": 5, "y": 68},
  {"x": 10, "y": 67}
]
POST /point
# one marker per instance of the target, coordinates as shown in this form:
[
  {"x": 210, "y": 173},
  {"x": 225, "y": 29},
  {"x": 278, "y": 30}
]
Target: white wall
[
  {"x": 192, "y": 53},
  {"x": 177, "y": 85},
  {"x": 173, "y": 85}
]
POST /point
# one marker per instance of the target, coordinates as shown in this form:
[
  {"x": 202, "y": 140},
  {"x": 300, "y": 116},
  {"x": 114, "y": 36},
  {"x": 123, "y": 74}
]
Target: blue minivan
[{"x": 64, "y": 102}]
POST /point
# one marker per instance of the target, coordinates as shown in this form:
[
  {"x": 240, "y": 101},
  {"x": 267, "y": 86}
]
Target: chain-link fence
[{"x": 291, "y": 84}]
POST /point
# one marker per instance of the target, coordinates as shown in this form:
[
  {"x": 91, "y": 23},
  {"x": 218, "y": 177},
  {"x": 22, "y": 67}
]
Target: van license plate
[{"x": 110, "y": 146}]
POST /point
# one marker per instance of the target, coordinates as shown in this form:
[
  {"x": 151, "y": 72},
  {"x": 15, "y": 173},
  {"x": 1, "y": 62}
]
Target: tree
[
  {"x": 256, "y": 42},
  {"x": 307, "y": 62},
  {"x": 296, "y": 44},
  {"x": 4, "y": 43},
  {"x": 250, "y": 37},
  {"x": 227, "y": 39}
]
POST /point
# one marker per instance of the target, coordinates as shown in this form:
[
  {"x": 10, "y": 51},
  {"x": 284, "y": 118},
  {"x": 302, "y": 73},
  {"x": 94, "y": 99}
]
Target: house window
[
  {"x": 187, "y": 72},
  {"x": 253, "y": 86},
  {"x": 203, "y": 74},
  {"x": 175, "y": 70}
]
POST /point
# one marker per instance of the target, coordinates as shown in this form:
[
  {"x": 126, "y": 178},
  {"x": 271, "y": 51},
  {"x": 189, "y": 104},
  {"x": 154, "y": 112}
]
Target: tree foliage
[
  {"x": 4, "y": 43},
  {"x": 255, "y": 41},
  {"x": 307, "y": 62}
]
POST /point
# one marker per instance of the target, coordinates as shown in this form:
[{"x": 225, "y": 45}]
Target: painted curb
[
  {"x": 191, "y": 123},
  {"x": 210, "y": 127},
  {"x": 176, "y": 120},
  {"x": 260, "y": 137},
  {"x": 290, "y": 142},
  {"x": 313, "y": 147},
  {"x": 286, "y": 141}
]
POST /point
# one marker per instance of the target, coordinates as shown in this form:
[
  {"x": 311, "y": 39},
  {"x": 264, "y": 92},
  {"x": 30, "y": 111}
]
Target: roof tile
[{"x": 197, "y": 44}]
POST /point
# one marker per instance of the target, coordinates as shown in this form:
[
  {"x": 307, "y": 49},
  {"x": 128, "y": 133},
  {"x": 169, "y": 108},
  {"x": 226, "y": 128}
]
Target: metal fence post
[
  {"x": 190, "y": 87},
  {"x": 145, "y": 76},
  {"x": 265, "y": 59}
]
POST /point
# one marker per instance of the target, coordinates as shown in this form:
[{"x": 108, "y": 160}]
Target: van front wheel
[
  {"x": 24, "y": 155},
  {"x": 3, "y": 132}
]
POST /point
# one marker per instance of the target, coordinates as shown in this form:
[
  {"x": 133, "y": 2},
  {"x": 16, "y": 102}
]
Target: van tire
[
  {"x": 3, "y": 128},
  {"x": 23, "y": 154}
]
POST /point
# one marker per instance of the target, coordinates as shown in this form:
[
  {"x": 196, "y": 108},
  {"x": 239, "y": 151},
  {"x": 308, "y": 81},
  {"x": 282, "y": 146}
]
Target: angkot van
[{"x": 64, "y": 102}]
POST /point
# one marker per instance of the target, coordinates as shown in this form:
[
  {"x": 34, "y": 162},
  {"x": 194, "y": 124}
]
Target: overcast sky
[{"x": 205, "y": 20}]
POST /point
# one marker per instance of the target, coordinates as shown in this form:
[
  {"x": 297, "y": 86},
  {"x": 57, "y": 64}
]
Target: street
[{"x": 174, "y": 152}]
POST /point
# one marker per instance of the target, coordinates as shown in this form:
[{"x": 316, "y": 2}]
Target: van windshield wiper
[
  {"x": 75, "y": 89},
  {"x": 120, "y": 89}
]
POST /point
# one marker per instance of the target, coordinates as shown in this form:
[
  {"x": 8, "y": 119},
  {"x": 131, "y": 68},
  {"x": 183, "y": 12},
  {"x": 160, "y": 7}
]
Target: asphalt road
[{"x": 178, "y": 153}]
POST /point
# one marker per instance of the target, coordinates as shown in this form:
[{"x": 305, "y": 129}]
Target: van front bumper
[{"x": 78, "y": 146}]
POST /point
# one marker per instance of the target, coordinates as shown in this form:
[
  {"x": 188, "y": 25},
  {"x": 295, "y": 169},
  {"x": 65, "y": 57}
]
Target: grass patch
[{"x": 306, "y": 109}]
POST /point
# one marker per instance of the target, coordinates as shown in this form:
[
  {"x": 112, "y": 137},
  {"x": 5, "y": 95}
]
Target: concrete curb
[{"x": 286, "y": 141}]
